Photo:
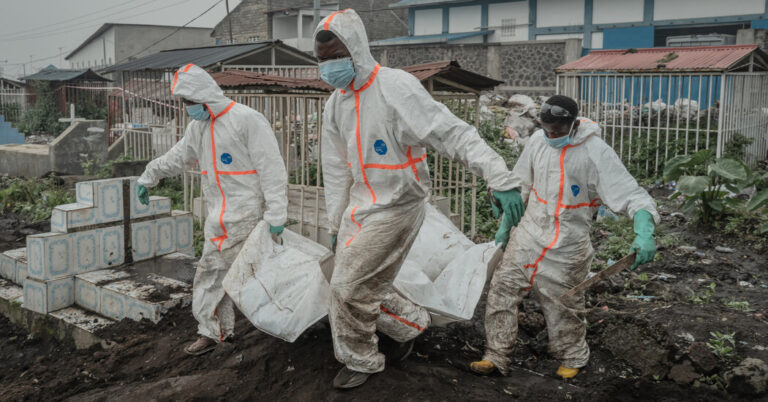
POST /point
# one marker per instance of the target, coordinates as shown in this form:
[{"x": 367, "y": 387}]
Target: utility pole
[
  {"x": 61, "y": 61},
  {"x": 229, "y": 20},
  {"x": 104, "y": 51},
  {"x": 316, "y": 16}
]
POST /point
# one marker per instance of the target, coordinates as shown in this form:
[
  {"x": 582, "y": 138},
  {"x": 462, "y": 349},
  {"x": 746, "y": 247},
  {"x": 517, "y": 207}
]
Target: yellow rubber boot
[
  {"x": 566, "y": 372},
  {"x": 483, "y": 367}
]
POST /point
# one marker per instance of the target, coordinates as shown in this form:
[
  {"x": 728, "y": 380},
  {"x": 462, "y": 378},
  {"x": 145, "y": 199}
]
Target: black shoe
[
  {"x": 347, "y": 379},
  {"x": 401, "y": 351}
]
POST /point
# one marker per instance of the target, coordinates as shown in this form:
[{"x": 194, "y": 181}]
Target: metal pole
[
  {"x": 229, "y": 21},
  {"x": 316, "y": 14}
]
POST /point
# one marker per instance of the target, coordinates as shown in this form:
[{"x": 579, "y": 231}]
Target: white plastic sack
[
  {"x": 444, "y": 271},
  {"x": 280, "y": 288}
]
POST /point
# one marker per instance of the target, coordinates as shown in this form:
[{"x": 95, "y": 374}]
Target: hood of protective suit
[
  {"x": 349, "y": 28},
  {"x": 587, "y": 128},
  {"x": 196, "y": 85}
]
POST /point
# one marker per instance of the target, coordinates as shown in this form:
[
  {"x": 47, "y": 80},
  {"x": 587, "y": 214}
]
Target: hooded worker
[
  {"x": 243, "y": 182},
  {"x": 564, "y": 173},
  {"x": 376, "y": 128}
]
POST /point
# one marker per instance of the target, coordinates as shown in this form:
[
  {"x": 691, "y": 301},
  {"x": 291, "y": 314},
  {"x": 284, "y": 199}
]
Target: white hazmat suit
[
  {"x": 550, "y": 251},
  {"x": 376, "y": 185},
  {"x": 241, "y": 172}
]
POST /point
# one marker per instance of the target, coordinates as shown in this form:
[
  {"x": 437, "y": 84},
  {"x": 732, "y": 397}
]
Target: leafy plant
[
  {"x": 723, "y": 345},
  {"x": 738, "y": 305},
  {"x": 705, "y": 182},
  {"x": 32, "y": 198},
  {"x": 44, "y": 116},
  {"x": 704, "y": 296}
]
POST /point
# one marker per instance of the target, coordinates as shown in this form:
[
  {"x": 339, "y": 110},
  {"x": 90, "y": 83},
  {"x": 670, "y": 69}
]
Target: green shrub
[
  {"x": 33, "y": 199},
  {"x": 43, "y": 118}
]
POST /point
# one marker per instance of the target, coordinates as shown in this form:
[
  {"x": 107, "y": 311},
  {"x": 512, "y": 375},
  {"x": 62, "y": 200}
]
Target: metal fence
[
  {"x": 305, "y": 72},
  {"x": 297, "y": 122},
  {"x": 13, "y": 103},
  {"x": 649, "y": 118}
]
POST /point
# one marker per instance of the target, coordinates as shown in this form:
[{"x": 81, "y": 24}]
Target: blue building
[{"x": 600, "y": 24}]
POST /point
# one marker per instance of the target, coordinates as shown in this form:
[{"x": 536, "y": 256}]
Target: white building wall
[
  {"x": 428, "y": 22},
  {"x": 464, "y": 19},
  {"x": 92, "y": 55},
  {"x": 514, "y": 14},
  {"x": 134, "y": 41},
  {"x": 617, "y": 11},
  {"x": 597, "y": 40},
  {"x": 554, "y": 13},
  {"x": 560, "y": 36},
  {"x": 681, "y": 9}
]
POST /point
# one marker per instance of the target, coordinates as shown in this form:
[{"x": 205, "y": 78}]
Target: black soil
[{"x": 641, "y": 348}]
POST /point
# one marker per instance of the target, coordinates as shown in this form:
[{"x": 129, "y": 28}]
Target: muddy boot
[
  {"x": 566, "y": 372},
  {"x": 347, "y": 378},
  {"x": 482, "y": 367},
  {"x": 201, "y": 346}
]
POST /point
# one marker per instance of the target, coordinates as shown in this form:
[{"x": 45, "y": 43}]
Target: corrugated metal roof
[
  {"x": 701, "y": 58},
  {"x": 451, "y": 71},
  {"x": 241, "y": 78},
  {"x": 56, "y": 74},
  {"x": 201, "y": 56},
  {"x": 424, "y": 39}
]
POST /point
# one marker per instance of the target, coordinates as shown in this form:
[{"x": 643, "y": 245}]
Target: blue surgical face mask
[
  {"x": 338, "y": 73},
  {"x": 560, "y": 142},
  {"x": 197, "y": 112}
]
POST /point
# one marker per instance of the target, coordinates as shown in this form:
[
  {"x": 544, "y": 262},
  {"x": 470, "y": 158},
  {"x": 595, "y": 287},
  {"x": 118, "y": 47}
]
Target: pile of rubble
[{"x": 520, "y": 114}]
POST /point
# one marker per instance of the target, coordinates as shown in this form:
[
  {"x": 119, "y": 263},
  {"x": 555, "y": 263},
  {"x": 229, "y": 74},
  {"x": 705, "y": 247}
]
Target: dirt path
[{"x": 642, "y": 348}]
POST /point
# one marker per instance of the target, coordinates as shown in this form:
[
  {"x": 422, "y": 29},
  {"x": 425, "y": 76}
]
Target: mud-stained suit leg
[
  {"x": 212, "y": 308},
  {"x": 362, "y": 293}
]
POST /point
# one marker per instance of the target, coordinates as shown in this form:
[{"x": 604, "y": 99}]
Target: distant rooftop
[
  {"x": 52, "y": 73},
  {"x": 699, "y": 58},
  {"x": 108, "y": 25}
]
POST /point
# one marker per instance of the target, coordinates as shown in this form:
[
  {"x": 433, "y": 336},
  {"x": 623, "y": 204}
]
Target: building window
[
  {"x": 508, "y": 27},
  {"x": 253, "y": 39}
]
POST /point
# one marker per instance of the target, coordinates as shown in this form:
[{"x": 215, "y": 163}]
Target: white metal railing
[
  {"x": 304, "y": 72},
  {"x": 13, "y": 103},
  {"x": 650, "y": 117}
]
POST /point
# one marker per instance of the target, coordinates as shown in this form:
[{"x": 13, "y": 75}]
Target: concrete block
[
  {"x": 142, "y": 300},
  {"x": 184, "y": 230},
  {"x": 69, "y": 216},
  {"x": 160, "y": 205},
  {"x": 46, "y": 296},
  {"x": 106, "y": 196},
  {"x": 50, "y": 255},
  {"x": 143, "y": 240},
  {"x": 13, "y": 265},
  {"x": 7, "y": 267},
  {"x": 88, "y": 286},
  {"x": 112, "y": 247},
  {"x": 166, "y": 236},
  {"x": 138, "y": 210},
  {"x": 21, "y": 271},
  {"x": 112, "y": 303},
  {"x": 87, "y": 246}
]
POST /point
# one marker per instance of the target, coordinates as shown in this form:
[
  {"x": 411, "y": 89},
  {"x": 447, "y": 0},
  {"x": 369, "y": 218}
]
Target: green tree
[{"x": 43, "y": 118}]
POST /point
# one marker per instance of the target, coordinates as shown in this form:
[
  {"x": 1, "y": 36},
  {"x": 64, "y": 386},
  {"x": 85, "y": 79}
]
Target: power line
[
  {"x": 176, "y": 30},
  {"x": 64, "y": 22},
  {"x": 89, "y": 25}
]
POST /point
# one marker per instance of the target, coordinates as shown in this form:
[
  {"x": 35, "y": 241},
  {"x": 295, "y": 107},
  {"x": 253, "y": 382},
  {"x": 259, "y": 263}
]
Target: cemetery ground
[{"x": 675, "y": 329}]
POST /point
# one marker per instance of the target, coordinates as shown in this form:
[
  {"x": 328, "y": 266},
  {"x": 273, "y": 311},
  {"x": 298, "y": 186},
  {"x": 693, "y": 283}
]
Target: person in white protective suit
[
  {"x": 376, "y": 126},
  {"x": 564, "y": 173},
  {"x": 243, "y": 181}
]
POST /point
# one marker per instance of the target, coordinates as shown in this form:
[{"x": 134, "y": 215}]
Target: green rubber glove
[
  {"x": 333, "y": 243},
  {"x": 143, "y": 194},
  {"x": 511, "y": 204},
  {"x": 276, "y": 230},
  {"x": 644, "y": 244},
  {"x": 502, "y": 235}
]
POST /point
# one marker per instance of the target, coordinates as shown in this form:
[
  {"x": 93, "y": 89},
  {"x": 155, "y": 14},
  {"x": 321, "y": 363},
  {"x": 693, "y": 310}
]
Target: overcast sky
[{"x": 43, "y": 29}]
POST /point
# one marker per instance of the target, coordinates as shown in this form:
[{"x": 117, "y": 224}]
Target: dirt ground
[{"x": 642, "y": 348}]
